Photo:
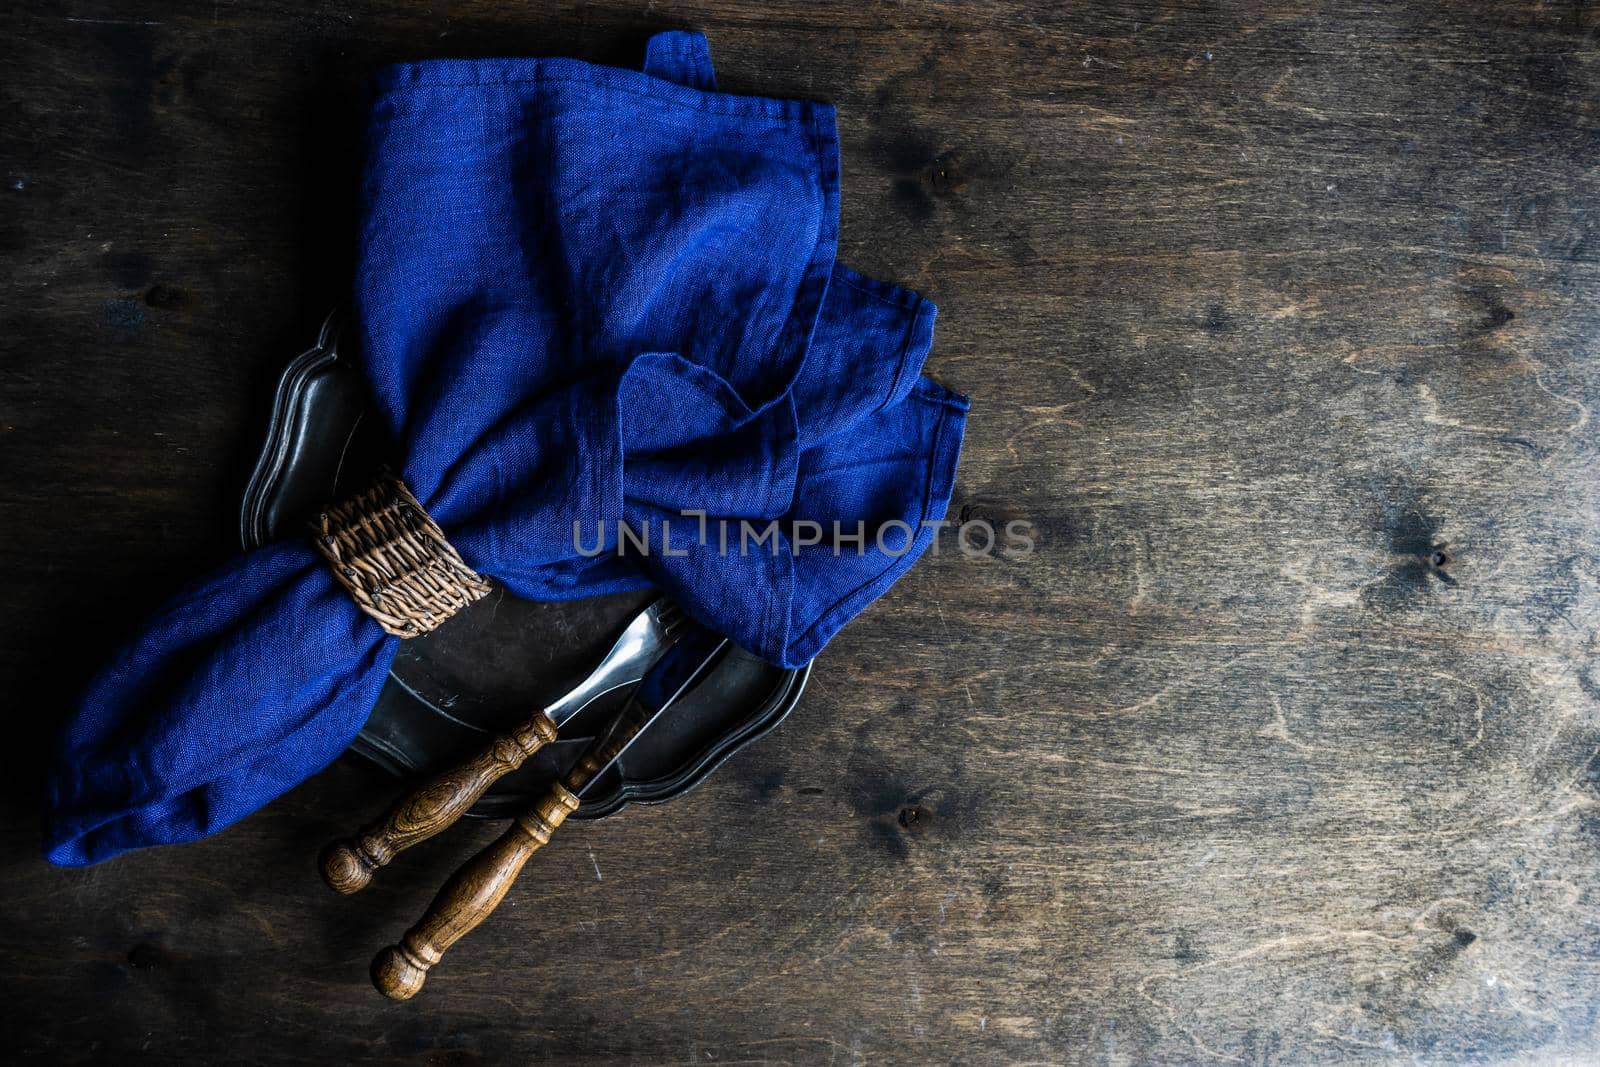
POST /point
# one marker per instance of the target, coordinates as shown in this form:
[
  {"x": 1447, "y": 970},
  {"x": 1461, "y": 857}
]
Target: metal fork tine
[{"x": 347, "y": 865}]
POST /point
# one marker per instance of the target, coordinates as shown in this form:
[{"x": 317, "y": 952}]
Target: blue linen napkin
[{"x": 585, "y": 296}]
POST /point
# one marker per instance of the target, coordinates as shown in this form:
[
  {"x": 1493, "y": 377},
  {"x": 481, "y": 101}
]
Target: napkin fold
[{"x": 586, "y": 297}]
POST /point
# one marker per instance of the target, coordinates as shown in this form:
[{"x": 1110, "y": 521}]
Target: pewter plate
[{"x": 450, "y": 691}]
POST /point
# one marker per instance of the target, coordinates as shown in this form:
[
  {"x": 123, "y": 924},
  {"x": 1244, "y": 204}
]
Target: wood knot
[
  {"x": 945, "y": 179},
  {"x": 147, "y": 957},
  {"x": 163, "y": 296},
  {"x": 913, "y": 818},
  {"x": 1498, "y": 316}
]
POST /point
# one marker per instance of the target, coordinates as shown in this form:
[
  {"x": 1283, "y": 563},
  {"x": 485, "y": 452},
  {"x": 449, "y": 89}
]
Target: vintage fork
[{"x": 349, "y": 863}]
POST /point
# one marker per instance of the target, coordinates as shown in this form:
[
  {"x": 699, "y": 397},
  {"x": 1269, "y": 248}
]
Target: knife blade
[
  {"x": 694, "y": 656},
  {"x": 433, "y": 805},
  {"x": 474, "y": 891}
]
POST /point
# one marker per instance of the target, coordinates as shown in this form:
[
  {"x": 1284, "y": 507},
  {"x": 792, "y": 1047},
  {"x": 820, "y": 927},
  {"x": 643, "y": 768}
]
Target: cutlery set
[
  {"x": 561, "y": 761},
  {"x": 662, "y": 652}
]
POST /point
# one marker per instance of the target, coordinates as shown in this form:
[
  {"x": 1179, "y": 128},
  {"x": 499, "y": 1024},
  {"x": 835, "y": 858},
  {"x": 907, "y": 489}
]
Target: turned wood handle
[
  {"x": 477, "y": 888},
  {"x": 469, "y": 896},
  {"x": 348, "y": 864}
]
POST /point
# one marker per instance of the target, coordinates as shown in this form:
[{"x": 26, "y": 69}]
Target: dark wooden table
[{"x": 1278, "y": 322}]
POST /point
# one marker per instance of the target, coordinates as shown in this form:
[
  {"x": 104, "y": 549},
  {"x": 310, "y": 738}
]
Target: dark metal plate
[{"x": 450, "y": 690}]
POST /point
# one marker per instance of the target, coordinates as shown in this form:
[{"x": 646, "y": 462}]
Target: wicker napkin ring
[{"x": 394, "y": 560}]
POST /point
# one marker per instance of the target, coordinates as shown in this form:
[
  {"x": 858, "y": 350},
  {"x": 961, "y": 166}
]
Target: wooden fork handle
[
  {"x": 469, "y": 897},
  {"x": 348, "y": 864}
]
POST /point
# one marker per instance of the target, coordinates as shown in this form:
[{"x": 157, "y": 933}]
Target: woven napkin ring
[{"x": 394, "y": 560}]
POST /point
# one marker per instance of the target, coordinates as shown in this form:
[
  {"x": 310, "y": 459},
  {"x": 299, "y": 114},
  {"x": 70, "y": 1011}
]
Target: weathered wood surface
[{"x": 1278, "y": 321}]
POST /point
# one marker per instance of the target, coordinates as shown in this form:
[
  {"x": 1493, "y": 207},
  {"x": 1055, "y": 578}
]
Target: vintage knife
[
  {"x": 478, "y": 887},
  {"x": 349, "y": 863}
]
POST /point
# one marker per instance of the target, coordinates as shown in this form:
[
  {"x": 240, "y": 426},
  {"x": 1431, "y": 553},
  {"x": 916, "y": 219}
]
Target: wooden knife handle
[
  {"x": 348, "y": 864},
  {"x": 469, "y": 896},
  {"x": 475, "y": 890}
]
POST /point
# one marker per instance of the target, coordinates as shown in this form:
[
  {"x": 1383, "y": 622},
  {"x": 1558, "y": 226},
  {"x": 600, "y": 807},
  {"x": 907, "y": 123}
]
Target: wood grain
[
  {"x": 348, "y": 864},
  {"x": 473, "y": 892},
  {"x": 470, "y": 896},
  {"x": 1278, "y": 322}
]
